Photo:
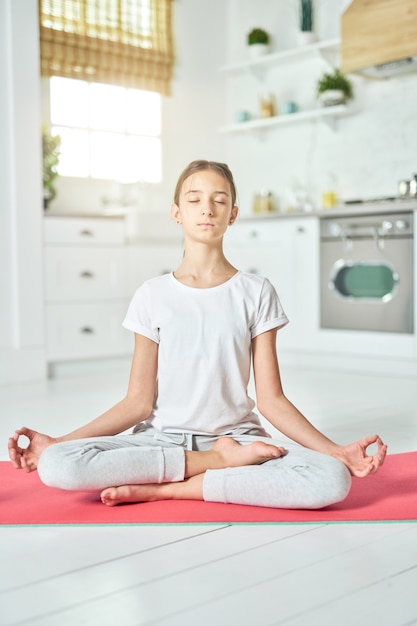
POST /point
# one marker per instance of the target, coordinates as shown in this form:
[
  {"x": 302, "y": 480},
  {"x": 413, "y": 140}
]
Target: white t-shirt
[{"x": 204, "y": 354}]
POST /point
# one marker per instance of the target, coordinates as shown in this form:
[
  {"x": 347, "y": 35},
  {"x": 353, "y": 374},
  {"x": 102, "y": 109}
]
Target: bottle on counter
[
  {"x": 329, "y": 197},
  {"x": 264, "y": 202},
  {"x": 298, "y": 199}
]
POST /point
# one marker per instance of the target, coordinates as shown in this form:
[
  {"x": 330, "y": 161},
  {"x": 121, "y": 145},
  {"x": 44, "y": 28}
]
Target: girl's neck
[{"x": 207, "y": 269}]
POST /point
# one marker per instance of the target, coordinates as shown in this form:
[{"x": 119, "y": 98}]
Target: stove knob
[
  {"x": 401, "y": 225},
  {"x": 335, "y": 229},
  {"x": 387, "y": 226}
]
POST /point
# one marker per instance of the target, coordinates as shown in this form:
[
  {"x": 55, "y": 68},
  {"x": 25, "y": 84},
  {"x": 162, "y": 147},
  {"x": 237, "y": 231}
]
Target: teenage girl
[{"x": 195, "y": 433}]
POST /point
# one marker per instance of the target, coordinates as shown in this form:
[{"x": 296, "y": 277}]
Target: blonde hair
[{"x": 201, "y": 166}]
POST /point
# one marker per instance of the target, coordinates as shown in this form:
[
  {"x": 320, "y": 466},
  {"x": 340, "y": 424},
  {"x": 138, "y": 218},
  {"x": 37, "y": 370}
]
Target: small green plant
[
  {"x": 258, "y": 35},
  {"x": 336, "y": 80},
  {"x": 306, "y": 10},
  {"x": 50, "y": 158}
]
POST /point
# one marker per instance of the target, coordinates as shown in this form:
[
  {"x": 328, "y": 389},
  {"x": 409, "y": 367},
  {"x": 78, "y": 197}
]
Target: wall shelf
[
  {"x": 325, "y": 114},
  {"x": 327, "y": 49}
]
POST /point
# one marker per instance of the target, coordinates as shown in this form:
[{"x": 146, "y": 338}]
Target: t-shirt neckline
[{"x": 203, "y": 289}]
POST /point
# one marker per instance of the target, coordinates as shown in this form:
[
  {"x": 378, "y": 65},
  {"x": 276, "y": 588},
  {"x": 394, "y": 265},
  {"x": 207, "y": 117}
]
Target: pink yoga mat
[{"x": 391, "y": 494}]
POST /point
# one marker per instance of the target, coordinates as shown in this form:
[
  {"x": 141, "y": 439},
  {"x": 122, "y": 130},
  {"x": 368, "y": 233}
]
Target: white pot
[
  {"x": 258, "y": 49},
  {"x": 306, "y": 37},
  {"x": 331, "y": 97}
]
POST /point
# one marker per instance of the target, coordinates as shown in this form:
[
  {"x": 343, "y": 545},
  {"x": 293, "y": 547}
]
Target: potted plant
[
  {"x": 334, "y": 88},
  {"x": 258, "y": 42},
  {"x": 50, "y": 158},
  {"x": 306, "y": 33}
]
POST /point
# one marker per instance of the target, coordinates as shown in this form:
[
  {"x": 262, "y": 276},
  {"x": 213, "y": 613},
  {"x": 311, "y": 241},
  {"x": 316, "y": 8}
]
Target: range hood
[{"x": 379, "y": 38}]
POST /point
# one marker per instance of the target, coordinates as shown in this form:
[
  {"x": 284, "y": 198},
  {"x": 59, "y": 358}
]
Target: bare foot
[
  {"x": 190, "y": 489},
  {"x": 227, "y": 452},
  {"x": 130, "y": 493},
  {"x": 233, "y": 454}
]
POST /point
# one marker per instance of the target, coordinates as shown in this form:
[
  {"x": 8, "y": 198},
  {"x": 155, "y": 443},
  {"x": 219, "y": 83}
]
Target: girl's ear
[
  {"x": 234, "y": 214},
  {"x": 175, "y": 213}
]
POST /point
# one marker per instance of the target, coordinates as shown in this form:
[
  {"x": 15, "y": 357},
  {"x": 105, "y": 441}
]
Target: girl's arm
[
  {"x": 134, "y": 408},
  {"x": 274, "y": 405},
  {"x": 283, "y": 415}
]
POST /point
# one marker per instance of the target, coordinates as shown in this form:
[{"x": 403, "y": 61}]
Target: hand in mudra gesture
[
  {"x": 355, "y": 457},
  {"x": 27, "y": 458}
]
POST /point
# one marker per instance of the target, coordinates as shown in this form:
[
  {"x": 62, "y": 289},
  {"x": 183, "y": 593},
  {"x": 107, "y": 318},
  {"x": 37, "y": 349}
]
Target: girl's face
[{"x": 205, "y": 205}]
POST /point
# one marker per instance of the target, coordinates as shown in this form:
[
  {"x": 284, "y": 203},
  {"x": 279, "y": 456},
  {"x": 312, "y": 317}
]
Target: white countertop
[{"x": 363, "y": 208}]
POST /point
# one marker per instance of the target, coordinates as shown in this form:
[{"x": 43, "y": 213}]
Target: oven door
[{"x": 366, "y": 288}]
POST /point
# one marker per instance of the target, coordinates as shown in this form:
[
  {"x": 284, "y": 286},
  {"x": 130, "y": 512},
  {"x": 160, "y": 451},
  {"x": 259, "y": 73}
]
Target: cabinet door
[{"x": 285, "y": 251}]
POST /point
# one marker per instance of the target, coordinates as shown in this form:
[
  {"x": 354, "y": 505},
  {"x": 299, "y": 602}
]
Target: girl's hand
[
  {"x": 27, "y": 458},
  {"x": 358, "y": 462}
]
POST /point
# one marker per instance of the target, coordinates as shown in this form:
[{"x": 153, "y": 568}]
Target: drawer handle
[
  {"x": 87, "y": 330},
  {"x": 87, "y": 274},
  {"x": 86, "y": 232}
]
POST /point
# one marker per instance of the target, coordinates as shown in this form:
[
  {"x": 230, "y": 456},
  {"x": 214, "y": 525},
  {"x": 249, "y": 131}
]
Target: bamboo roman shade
[{"x": 118, "y": 42}]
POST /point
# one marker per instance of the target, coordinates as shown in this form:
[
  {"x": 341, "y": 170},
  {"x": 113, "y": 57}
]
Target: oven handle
[{"x": 355, "y": 231}]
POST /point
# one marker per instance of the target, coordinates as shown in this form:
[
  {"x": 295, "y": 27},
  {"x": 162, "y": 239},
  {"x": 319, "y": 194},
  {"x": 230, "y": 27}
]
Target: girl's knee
[
  {"x": 297, "y": 481},
  {"x": 327, "y": 481},
  {"x": 338, "y": 483},
  {"x": 55, "y": 470}
]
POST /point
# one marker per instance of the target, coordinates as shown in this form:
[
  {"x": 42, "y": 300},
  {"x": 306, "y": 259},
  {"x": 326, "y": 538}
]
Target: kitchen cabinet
[
  {"x": 86, "y": 288},
  {"x": 147, "y": 260},
  {"x": 259, "y": 67},
  {"x": 285, "y": 250}
]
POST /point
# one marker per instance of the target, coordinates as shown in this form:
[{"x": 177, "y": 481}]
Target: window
[
  {"x": 115, "y": 42},
  {"x": 106, "y": 131}
]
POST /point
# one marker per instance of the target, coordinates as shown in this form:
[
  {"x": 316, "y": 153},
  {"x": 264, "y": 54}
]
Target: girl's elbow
[
  {"x": 265, "y": 409},
  {"x": 271, "y": 404}
]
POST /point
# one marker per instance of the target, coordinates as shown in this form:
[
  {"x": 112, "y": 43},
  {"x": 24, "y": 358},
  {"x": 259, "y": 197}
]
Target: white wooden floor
[{"x": 223, "y": 575}]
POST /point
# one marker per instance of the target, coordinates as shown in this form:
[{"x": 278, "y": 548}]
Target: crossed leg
[{"x": 225, "y": 453}]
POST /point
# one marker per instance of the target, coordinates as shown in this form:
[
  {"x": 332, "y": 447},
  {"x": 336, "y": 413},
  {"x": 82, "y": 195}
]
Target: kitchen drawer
[
  {"x": 256, "y": 232},
  {"x": 78, "y": 273},
  {"x": 84, "y": 230},
  {"x": 86, "y": 331}
]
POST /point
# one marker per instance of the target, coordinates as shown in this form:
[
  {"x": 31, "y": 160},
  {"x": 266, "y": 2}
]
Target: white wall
[
  {"x": 196, "y": 108},
  {"x": 368, "y": 153},
  {"x": 21, "y": 309}
]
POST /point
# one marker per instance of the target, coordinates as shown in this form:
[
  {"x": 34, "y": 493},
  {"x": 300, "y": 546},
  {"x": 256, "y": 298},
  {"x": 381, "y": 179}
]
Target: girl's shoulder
[
  {"x": 257, "y": 281},
  {"x": 155, "y": 283}
]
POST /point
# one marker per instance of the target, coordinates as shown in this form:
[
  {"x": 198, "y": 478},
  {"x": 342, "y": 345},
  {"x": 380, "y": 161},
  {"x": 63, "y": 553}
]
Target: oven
[{"x": 366, "y": 272}]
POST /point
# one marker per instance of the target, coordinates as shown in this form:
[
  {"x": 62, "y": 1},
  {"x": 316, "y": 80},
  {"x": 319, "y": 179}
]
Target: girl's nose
[{"x": 206, "y": 208}]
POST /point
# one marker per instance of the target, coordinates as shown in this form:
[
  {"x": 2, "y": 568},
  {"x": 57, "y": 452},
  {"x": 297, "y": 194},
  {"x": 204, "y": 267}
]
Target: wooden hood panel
[{"x": 378, "y": 31}]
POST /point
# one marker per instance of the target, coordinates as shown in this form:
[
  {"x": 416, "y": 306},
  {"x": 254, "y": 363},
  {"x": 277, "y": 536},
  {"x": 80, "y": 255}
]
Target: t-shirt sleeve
[
  {"x": 270, "y": 312},
  {"x": 139, "y": 318}
]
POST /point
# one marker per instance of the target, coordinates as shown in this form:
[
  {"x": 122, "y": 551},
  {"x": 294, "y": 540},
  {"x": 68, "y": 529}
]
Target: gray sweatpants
[{"x": 301, "y": 479}]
